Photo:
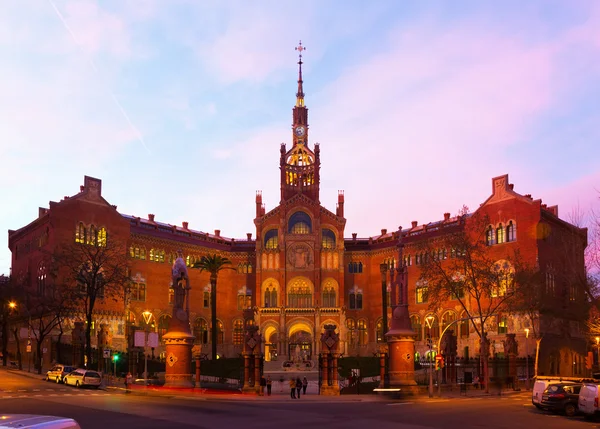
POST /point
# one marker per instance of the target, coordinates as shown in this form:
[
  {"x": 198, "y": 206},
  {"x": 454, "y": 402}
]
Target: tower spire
[{"x": 300, "y": 93}]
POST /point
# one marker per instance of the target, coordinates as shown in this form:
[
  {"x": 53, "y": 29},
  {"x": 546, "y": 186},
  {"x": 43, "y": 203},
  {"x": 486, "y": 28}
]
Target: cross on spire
[
  {"x": 300, "y": 93},
  {"x": 300, "y": 49}
]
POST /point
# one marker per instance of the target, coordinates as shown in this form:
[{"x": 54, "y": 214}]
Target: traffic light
[
  {"x": 115, "y": 358},
  {"x": 589, "y": 360},
  {"x": 439, "y": 362}
]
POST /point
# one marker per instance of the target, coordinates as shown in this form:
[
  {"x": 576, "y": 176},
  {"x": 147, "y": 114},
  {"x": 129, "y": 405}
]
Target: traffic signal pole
[{"x": 430, "y": 344}]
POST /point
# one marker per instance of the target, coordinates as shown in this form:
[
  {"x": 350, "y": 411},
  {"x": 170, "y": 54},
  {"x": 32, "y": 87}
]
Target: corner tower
[{"x": 300, "y": 166}]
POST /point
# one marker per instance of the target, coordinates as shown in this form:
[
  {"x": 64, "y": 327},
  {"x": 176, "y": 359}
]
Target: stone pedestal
[
  {"x": 178, "y": 344},
  {"x": 329, "y": 365},
  {"x": 401, "y": 341}
]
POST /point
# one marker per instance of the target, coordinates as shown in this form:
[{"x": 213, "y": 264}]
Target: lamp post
[
  {"x": 147, "y": 318},
  {"x": 429, "y": 321},
  {"x": 384, "y": 321},
  {"x": 598, "y": 350},
  {"x": 526, "y": 358}
]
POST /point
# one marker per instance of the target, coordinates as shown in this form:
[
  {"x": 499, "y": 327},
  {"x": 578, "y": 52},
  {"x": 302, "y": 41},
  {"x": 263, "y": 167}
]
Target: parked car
[
  {"x": 538, "y": 389},
  {"x": 83, "y": 377},
  {"x": 588, "y": 400},
  {"x": 58, "y": 372},
  {"x": 561, "y": 397},
  {"x": 33, "y": 421}
]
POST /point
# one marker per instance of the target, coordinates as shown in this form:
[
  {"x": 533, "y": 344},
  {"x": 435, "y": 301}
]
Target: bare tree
[
  {"x": 92, "y": 273},
  {"x": 459, "y": 266},
  {"x": 45, "y": 310}
]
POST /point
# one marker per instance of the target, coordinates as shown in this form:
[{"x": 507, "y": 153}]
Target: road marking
[
  {"x": 21, "y": 396},
  {"x": 400, "y": 403},
  {"x": 37, "y": 395},
  {"x": 21, "y": 390},
  {"x": 36, "y": 390},
  {"x": 50, "y": 390}
]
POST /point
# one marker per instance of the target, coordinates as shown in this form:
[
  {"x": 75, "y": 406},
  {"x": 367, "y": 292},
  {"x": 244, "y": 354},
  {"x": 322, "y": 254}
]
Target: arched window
[
  {"x": 464, "y": 326},
  {"x": 327, "y": 239},
  {"x": 271, "y": 239},
  {"x": 244, "y": 298},
  {"x": 151, "y": 254},
  {"x": 201, "y": 331},
  {"x": 351, "y": 333},
  {"x": 143, "y": 253},
  {"x": 206, "y": 299},
  {"x": 502, "y": 325},
  {"x": 163, "y": 325},
  {"x": 448, "y": 318},
  {"x": 356, "y": 299},
  {"x": 511, "y": 231},
  {"x": 415, "y": 322},
  {"x": 91, "y": 238},
  {"x": 363, "y": 335},
  {"x": 489, "y": 236},
  {"x": 238, "y": 331},
  {"x": 220, "y": 332},
  {"x": 41, "y": 279},
  {"x": 378, "y": 331},
  {"x": 271, "y": 297},
  {"x": 80, "y": 233},
  {"x": 421, "y": 292},
  {"x": 101, "y": 240},
  {"x": 138, "y": 291},
  {"x": 299, "y": 295},
  {"x": 300, "y": 223},
  {"x": 500, "y": 234},
  {"x": 329, "y": 296}
]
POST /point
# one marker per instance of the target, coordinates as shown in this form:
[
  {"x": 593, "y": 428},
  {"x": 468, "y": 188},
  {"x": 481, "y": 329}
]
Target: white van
[
  {"x": 588, "y": 400},
  {"x": 540, "y": 385}
]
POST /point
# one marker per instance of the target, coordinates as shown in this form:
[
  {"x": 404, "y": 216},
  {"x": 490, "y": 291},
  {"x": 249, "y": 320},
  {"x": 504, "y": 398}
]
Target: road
[{"x": 108, "y": 409}]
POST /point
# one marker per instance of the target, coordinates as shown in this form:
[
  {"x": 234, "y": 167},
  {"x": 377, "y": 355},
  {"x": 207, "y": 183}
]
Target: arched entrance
[
  {"x": 300, "y": 344},
  {"x": 271, "y": 339}
]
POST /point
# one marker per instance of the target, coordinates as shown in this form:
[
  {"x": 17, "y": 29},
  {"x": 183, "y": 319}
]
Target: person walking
[
  {"x": 298, "y": 386},
  {"x": 304, "y": 385},
  {"x": 263, "y": 384},
  {"x": 292, "y": 388},
  {"x": 269, "y": 385},
  {"x": 128, "y": 381}
]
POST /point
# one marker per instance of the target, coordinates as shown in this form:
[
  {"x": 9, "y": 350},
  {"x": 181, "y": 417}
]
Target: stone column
[
  {"x": 382, "y": 369},
  {"x": 401, "y": 342},
  {"x": 178, "y": 344},
  {"x": 257, "y": 371},
  {"x": 246, "y": 372},
  {"x": 330, "y": 344}
]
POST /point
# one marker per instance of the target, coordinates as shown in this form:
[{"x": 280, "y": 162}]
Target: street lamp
[
  {"x": 12, "y": 305},
  {"x": 598, "y": 349},
  {"x": 526, "y": 359},
  {"x": 147, "y": 318},
  {"x": 429, "y": 321}
]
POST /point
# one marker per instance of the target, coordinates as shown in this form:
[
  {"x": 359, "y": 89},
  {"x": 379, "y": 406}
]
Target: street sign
[
  {"x": 106, "y": 353},
  {"x": 153, "y": 339},
  {"x": 139, "y": 339},
  {"x": 44, "y": 350}
]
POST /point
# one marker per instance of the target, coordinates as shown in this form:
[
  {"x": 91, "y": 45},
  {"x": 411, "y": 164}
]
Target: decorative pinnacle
[{"x": 300, "y": 93}]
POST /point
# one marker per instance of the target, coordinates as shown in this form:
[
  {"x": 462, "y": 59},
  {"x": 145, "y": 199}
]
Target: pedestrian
[
  {"x": 292, "y": 388},
  {"x": 304, "y": 385},
  {"x": 269, "y": 385},
  {"x": 298, "y": 386},
  {"x": 263, "y": 384},
  {"x": 128, "y": 382}
]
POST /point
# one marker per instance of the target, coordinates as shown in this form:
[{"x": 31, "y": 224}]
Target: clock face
[{"x": 299, "y": 131}]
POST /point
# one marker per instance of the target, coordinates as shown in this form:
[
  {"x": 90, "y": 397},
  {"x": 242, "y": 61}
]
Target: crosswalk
[{"x": 48, "y": 392}]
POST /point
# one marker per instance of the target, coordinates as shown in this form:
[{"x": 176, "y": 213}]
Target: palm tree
[{"x": 213, "y": 264}]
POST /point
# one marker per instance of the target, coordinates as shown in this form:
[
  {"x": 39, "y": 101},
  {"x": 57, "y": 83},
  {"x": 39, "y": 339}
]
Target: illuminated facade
[{"x": 301, "y": 272}]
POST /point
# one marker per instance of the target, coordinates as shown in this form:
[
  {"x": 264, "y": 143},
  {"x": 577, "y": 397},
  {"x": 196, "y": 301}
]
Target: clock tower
[{"x": 300, "y": 165}]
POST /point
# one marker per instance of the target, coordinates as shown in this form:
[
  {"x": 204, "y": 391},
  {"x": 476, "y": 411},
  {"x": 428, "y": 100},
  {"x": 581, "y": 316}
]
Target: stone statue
[
  {"x": 510, "y": 345},
  {"x": 180, "y": 284}
]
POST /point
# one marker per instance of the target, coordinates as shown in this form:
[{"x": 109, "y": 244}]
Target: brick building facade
[{"x": 301, "y": 272}]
